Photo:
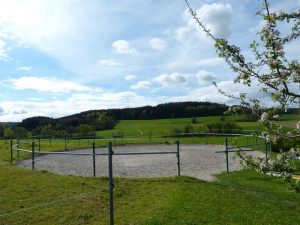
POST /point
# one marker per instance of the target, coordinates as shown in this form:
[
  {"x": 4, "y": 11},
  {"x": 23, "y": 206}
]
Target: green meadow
[
  {"x": 139, "y": 132},
  {"x": 244, "y": 197},
  {"x": 167, "y": 126}
]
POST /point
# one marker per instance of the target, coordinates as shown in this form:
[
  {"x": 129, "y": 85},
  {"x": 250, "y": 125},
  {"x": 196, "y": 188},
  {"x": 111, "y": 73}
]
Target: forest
[{"x": 86, "y": 123}]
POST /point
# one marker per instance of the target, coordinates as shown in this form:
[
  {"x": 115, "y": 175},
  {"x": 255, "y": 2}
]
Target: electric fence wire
[{"x": 47, "y": 204}]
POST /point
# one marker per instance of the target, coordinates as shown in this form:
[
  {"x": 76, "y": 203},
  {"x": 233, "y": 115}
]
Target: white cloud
[
  {"x": 76, "y": 42},
  {"x": 185, "y": 33},
  {"x": 255, "y": 29},
  {"x": 211, "y": 62},
  {"x": 24, "y": 68},
  {"x": 3, "y": 53},
  {"x": 211, "y": 94},
  {"x": 18, "y": 110},
  {"x": 123, "y": 47},
  {"x": 170, "y": 80},
  {"x": 32, "y": 22},
  {"x": 22, "y": 111},
  {"x": 216, "y": 17},
  {"x": 141, "y": 85},
  {"x": 53, "y": 85},
  {"x": 203, "y": 77},
  {"x": 108, "y": 62},
  {"x": 158, "y": 44},
  {"x": 129, "y": 77}
]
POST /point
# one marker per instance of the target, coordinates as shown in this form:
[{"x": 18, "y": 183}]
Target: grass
[
  {"x": 148, "y": 131},
  {"x": 243, "y": 197},
  {"x": 289, "y": 120},
  {"x": 238, "y": 198},
  {"x": 167, "y": 126},
  {"x": 60, "y": 144}
]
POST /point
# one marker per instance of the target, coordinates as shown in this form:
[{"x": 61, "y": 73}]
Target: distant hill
[
  {"x": 161, "y": 111},
  {"x": 9, "y": 124},
  {"x": 86, "y": 123}
]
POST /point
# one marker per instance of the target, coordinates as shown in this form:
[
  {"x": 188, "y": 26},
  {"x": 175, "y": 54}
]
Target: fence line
[
  {"x": 123, "y": 134},
  {"x": 113, "y": 136},
  {"x": 240, "y": 148},
  {"x": 111, "y": 155},
  {"x": 110, "y": 170}
]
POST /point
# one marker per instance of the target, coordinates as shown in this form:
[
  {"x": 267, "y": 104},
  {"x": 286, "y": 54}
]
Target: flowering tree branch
[
  {"x": 276, "y": 75},
  {"x": 271, "y": 68}
]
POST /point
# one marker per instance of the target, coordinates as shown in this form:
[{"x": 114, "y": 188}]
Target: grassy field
[
  {"x": 149, "y": 132},
  {"x": 290, "y": 120},
  {"x": 145, "y": 128},
  {"x": 167, "y": 126},
  {"x": 244, "y": 197},
  {"x": 236, "y": 198},
  {"x": 45, "y": 145}
]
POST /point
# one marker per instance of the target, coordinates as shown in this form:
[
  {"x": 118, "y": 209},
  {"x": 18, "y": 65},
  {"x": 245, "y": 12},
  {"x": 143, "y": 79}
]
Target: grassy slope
[
  {"x": 237, "y": 198},
  {"x": 165, "y": 126},
  {"x": 137, "y": 132},
  {"x": 290, "y": 120}
]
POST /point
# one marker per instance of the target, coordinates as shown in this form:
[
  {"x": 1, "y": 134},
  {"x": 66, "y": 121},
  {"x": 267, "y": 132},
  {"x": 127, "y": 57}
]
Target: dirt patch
[{"x": 199, "y": 161}]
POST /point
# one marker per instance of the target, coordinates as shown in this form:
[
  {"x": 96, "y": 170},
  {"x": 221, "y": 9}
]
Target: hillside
[{"x": 161, "y": 111}]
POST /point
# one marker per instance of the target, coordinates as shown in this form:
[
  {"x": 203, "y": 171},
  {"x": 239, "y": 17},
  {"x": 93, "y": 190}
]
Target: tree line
[
  {"x": 165, "y": 111},
  {"x": 88, "y": 122}
]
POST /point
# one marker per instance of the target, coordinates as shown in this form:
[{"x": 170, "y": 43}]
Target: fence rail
[{"x": 110, "y": 154}]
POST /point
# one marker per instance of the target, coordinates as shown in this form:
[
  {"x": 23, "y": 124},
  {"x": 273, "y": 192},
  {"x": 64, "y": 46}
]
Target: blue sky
[{"x": 63, "y": 57}]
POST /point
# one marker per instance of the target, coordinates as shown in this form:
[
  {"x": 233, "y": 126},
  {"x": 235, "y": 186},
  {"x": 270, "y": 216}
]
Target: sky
[{"x": 63, "y": 57}]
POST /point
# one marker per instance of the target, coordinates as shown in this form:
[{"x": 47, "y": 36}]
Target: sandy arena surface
[{"x": 199, "y": 161}]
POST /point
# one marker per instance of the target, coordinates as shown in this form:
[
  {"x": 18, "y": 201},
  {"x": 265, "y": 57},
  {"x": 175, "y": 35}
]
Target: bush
[
  {"x": 223, "y": 127},
  {"x": 283, "y": 144},
  {"x": 194, "y": 120},
  {"x": 222, "y": 118},
  {"x": 188, "y": 128},
  {"x": 177, "y": 131}
]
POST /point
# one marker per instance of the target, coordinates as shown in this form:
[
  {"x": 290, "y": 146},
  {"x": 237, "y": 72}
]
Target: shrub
[
  {"x": 222, "y": 118},
  {"x": 223, "y": 127},
  {"x": 188, "y": 128},
  {"x": 283, "y": 144},
  {"x": 177, "y": 131},
  {"x": 194, "y": 120}
]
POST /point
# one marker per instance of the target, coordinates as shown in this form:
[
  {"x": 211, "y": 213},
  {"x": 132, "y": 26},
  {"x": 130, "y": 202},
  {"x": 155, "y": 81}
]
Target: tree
[
  {"x": 19, "y": 132},
  {"x": 1, "y": 130},
  {"x": 105, "y": 122},
  {"x": 277, "y": 75},
  {"x": 271, "y": 69},
  {"x": 7, "y": 132},
  {"x": 47, "y": 130},
  {"x": 85, "y": 130}
]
